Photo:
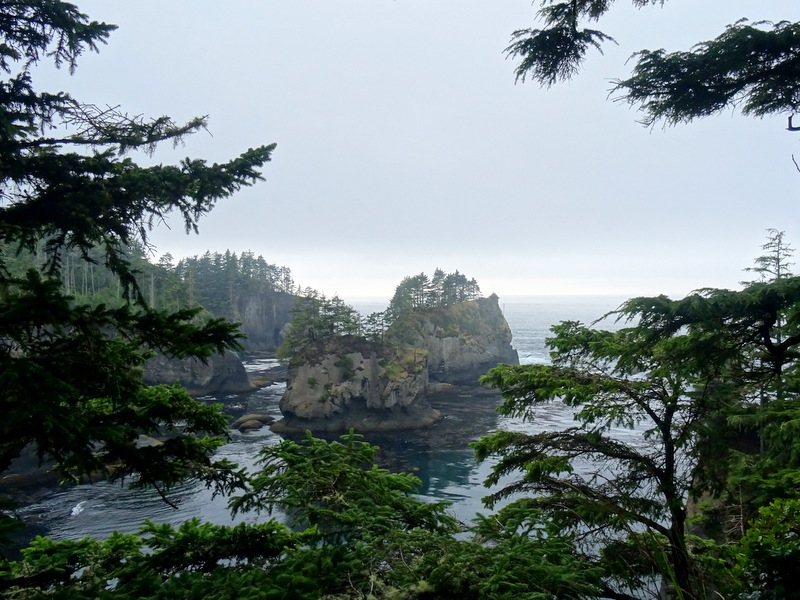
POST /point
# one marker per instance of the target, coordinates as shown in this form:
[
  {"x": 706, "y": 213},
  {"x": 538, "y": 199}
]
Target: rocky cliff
[
  {"x": 221, "y": 374},
  {"x": 462, "y": 340},
  {"x": 263, "y": 316},
  {"x": 347, "y": 381}
]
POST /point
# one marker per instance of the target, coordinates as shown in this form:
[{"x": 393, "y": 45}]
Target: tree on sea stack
[
  {"x": 70, "y": 373},
  {"x": 316, "y": 317}
]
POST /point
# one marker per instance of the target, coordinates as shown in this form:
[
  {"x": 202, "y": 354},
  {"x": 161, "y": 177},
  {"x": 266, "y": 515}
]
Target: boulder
[
  {"x": 251, "y": 422},
  {"x": 251, "y": 425}
]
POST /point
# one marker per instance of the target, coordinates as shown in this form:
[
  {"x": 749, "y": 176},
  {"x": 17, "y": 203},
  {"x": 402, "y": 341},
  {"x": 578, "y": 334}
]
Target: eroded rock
[
  {"x": 463, "y": 340},
  {"x": 252, "y": 422},
  {"x": 348, "y": 381},
  {"x": 220, "y": 374}
]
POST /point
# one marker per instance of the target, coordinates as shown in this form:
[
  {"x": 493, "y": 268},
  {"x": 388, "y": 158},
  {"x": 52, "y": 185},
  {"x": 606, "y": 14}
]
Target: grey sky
[{"x": 405, "y": 145}]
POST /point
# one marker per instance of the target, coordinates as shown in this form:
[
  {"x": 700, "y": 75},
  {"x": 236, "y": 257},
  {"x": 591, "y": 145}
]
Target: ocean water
[{"x": 441, "y": 456}]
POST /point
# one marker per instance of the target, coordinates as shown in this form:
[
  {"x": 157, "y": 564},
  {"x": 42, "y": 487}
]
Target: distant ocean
[
  {"x": 530, "y": 317},
  {"x": 440, "y": 457}
]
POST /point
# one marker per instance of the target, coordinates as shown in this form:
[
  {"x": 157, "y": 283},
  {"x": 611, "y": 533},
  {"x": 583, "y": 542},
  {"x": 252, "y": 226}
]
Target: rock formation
[
  {"x": 263, "y": 316},
  {"x": 463, "y": 340},
  {"x": 347, "y": 381},
  {"x": 221, "y": 374},
  {"x": 252, "y": 422}
]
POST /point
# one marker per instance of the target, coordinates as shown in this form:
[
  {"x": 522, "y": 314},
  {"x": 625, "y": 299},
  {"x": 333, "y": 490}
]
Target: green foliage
[
  {"x": 375, "y": 326},
  {"x": 88, "y": 389},
  {"x": 463, "y": 320},
  {"x": 686, "y": 375},
  {"x": 72, "y": 194},
  {"x": 394, "y": 372},
  {"x": 522, "y": 554},
  {"x": 556, "y": 52},
  {"x": 193, "y": 560},
  {"x": 775, "y": 263},
  {"x": 346, "y": 366},
  {"x": 421, "y": 292},
  {"x": 215, "y": 280},
  {"x": 774, "y": 470},
  {"x": 768, "y": 553},
  {"x": 751, "y": 65},
  {"x": 316, "y": 317},
  {"x": 333, "y": 502},
  {"x": 356, "y": 531}
]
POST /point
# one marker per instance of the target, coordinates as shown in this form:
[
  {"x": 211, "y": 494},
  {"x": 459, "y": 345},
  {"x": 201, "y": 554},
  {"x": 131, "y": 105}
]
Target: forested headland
[{"x": 211, "y": 280}]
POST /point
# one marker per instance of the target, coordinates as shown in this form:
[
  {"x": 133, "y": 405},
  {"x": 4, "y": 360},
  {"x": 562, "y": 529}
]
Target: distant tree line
[{"x": 212, "y": 281}]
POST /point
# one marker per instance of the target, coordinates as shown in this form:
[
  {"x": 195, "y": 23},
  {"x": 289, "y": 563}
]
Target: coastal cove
[{"x": 440, "y": 456}]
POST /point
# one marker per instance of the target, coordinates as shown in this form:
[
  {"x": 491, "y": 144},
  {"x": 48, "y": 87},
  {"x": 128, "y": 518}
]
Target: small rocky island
[
  {"x": 349, "y": 381},
  {"x": 463, "y": 340},
  {"x": 383, "y": 380}
]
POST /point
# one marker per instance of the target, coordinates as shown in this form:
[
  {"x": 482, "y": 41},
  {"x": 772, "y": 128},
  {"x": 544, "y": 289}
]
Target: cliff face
[
  {"x": 349, "y": 382},
  {"x": 263, "y": 317},
  {"x": 222, "y": 374},
  {"x": 462, "y": 340}
]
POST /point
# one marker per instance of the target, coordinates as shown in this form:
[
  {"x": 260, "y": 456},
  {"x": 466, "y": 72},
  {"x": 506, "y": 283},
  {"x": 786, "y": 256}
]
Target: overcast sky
[{"x": 404, "y": 144}]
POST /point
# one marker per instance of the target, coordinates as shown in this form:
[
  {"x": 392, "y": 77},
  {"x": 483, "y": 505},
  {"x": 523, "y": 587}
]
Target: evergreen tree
[
  {"x": 436, "y": 288},
  {"x": 70, "y": 372},
  {"x": 215, "y": 280},
  {"x": 419, "y": 292},
  {"x": 690, "y": 375},
  {"x": 355, "y": 531},
  {"x": 375, "y": 326},
  {"x": 775, "y": 263},
  {"x": 316, "y": 317},
  {"x": 752, "y": 66},
  {"x": 402, "y": 300}
]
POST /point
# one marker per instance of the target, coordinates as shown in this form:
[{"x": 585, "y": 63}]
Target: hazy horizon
[{"x": 404, "y": 144}]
